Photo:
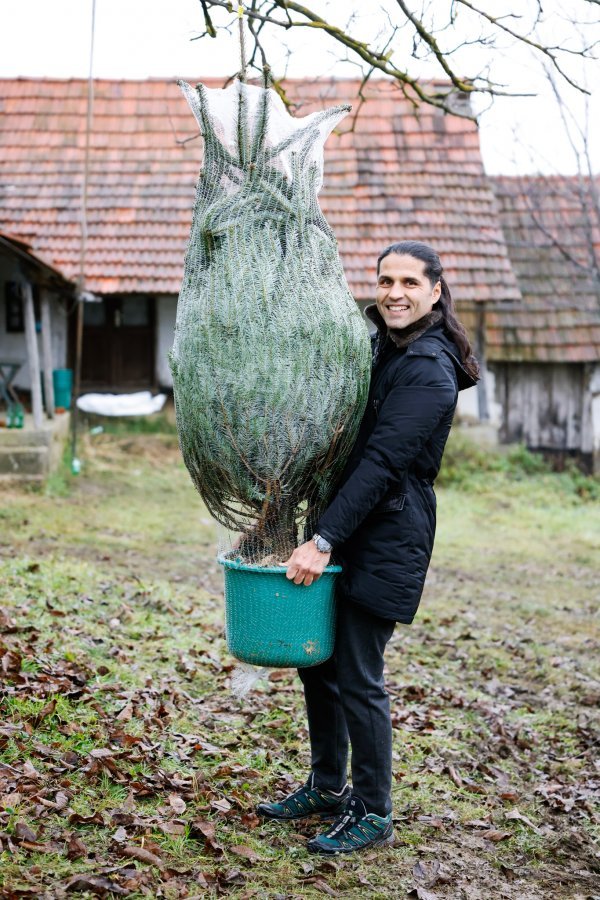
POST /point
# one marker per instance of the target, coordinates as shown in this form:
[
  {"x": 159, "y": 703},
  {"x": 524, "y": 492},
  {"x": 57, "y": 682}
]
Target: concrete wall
[
  {"x": 166, "y": 310},
  {"x": 468, "y": 401},
  {"x": 12, "y": 346}
]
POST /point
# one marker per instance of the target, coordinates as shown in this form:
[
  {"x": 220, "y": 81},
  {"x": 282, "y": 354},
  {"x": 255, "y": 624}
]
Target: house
[
  {"x": 390, "y": 173},
  {"x": 545, "y": 350},
  {"x": 36, "y": 303}
]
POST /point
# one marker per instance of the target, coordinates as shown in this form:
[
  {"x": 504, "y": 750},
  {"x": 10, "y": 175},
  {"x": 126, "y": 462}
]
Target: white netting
[{"x": 271, "y": 356}]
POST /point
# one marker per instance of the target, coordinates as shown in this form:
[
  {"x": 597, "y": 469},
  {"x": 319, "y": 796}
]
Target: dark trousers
[{"x": 347, "y": 703}]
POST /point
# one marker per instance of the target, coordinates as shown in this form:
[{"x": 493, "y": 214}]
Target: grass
[{"x": 119, "y": 735}]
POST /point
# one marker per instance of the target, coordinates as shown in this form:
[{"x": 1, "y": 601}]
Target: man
[{"x": 381, "y": 525}]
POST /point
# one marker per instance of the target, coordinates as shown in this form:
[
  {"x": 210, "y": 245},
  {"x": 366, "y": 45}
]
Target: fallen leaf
[
  {"x": 221, "y": 805},
  {"x": 509, "y": 796},
  {"x": 77, "y": 819},
  {"x": 247, "y": 852},
  {"x": 75, "y": 848},
  {"x": 120, "y": 835},
  {"x": 233, "y": 875},
  {"x": 172, "y": 827},
  {"x": 61, "y": 800},
  {"x": 427, "y": 872},
  {"x": 24, "y": 833},
  {"x": 96, "y": 884},
  {"x": 30, "y": 770},
  {"x": 454, "y": 776},
  {"x": 422, "y": 893},
  {"x": 495, "y": 836},
  {"x": 9, "y": 801},
  {"x": 207, "y": 829},
  {"x": 145, "y": 856},
  {"x": 320, "y": 885},
  {"x": 432, "y": 821},
  {"x": 177, "y": 803},
  {"x": 37, "y": 847},
  {"x": 126, "y": 713},
  {"x": 45, "y": 711},
  {"x": 250, "y": 820},
  {"x": 515, "y": 814}
]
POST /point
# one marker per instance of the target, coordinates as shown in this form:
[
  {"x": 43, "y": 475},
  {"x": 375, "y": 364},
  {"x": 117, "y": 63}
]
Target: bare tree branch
[
  {"x": 265, "y": 17},
  {"x": 535, "y": 45}
]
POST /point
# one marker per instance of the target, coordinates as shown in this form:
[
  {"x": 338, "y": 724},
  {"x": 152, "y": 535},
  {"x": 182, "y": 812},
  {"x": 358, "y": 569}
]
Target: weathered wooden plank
[{"x": 545, "y": 405}]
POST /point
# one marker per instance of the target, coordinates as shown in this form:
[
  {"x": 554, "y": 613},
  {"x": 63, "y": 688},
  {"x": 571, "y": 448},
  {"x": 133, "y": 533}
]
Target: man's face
[{"x": 404, "y": 293}]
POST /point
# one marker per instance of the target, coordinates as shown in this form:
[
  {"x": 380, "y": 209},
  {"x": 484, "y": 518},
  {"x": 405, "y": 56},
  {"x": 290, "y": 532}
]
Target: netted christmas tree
[{"x": 271, "y": 357}]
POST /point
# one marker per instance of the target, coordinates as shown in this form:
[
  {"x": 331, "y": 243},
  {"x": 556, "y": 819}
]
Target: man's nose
[{"x": 396, "y": 291}]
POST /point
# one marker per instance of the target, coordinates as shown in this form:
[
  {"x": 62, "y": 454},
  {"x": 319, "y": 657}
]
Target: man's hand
[{"x": 306, "y": 564}]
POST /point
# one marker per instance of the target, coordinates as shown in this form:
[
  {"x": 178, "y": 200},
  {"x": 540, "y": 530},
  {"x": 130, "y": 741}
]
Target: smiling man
[
  {"x": 380, "y": 525},
  {"x": 404, "y": 292}
]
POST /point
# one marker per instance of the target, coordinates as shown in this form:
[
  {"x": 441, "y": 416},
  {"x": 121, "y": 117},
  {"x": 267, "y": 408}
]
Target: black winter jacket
[{"x": 381, "y": 521}]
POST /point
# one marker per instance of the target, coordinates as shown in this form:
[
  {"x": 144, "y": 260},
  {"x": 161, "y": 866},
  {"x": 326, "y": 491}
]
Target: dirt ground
[{"x": 127, "y": 766}]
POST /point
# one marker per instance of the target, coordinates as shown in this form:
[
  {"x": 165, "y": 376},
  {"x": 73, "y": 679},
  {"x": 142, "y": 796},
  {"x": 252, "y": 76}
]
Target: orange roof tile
[{"x": 389, "y": 175}]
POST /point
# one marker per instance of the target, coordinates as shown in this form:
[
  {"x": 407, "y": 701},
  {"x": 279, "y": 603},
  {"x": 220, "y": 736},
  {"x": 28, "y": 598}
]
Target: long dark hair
[{"x": 434, "y": 272}]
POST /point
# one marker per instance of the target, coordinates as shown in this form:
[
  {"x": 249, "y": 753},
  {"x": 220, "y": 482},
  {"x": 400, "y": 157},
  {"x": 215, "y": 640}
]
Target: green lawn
[{"x": 127, "y": 767}]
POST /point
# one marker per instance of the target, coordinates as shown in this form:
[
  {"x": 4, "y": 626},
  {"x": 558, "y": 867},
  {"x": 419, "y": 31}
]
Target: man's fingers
[{"x": 299, "y": 576}]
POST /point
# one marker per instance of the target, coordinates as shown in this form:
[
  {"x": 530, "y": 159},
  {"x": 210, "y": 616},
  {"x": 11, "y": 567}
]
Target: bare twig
[{"x": 265, "y": 16}]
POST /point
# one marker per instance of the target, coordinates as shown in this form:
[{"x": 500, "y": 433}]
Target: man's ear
[{"x": 437, "y": 291}]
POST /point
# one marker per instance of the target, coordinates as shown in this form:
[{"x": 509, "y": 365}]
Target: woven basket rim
[{"x": 260, "y": 570}]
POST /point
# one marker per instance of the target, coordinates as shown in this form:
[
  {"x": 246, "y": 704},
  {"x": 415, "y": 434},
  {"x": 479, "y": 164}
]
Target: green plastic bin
[
  {"x": 270, "y": 621},
  {"x": 62, "y": 380}
]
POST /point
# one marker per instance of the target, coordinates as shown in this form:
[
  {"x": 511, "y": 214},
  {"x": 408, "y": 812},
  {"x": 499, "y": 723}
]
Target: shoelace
[{"x": 347, "y": 819}]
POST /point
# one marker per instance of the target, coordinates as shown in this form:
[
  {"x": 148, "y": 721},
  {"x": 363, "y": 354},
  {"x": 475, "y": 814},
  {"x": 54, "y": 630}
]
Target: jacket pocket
[{"x": 391, "y": 503}]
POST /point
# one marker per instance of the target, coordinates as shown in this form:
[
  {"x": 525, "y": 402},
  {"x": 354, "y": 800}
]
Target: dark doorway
[{"x": 118, "y": 344}]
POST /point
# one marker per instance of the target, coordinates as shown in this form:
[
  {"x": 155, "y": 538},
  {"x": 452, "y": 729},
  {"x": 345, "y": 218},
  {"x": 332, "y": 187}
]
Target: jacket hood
[{"x": 436, "y": 332}]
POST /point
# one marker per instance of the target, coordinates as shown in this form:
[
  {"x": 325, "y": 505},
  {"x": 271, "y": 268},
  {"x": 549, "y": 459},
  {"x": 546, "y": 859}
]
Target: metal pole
[{"x": 75, "y": 464}]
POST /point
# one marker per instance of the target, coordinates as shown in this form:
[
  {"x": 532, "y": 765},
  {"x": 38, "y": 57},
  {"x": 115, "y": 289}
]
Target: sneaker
[
  {"x": 355, "y": 830},
  {"x": 307, "y": 801}
]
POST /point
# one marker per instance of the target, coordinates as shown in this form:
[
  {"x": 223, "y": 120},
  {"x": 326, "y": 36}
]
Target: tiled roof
[
  {"x": 548, "y": 223},
  {"x": 393, "y": 175},
  {"x": 20, "y": 247}
]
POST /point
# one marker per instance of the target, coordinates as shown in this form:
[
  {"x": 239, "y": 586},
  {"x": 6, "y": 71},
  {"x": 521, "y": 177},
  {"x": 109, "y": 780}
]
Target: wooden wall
[{"x": 546, "y": 406}]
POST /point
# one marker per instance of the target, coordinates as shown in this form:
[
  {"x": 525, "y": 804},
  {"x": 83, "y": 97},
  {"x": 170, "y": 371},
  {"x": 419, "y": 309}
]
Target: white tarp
[{"x": 141, "y": 403}]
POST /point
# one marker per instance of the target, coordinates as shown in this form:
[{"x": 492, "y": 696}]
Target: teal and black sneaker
[
  {"x": 354, "y": 830},
  {"x": 307, "y": 801}
]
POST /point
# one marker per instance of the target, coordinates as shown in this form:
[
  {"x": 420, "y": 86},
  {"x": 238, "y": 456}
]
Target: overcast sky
[{"x": 153, "y": 38}]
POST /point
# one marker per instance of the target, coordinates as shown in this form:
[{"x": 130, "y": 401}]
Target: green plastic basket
[{"x": 270, "y": 621}]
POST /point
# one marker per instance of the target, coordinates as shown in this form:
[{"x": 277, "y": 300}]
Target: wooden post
[
  {"x": 32, "y": 356},
  {"x": 47, "y": 353}
]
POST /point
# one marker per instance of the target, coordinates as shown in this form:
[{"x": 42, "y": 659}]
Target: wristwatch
[{"x": 323, "y": 546}]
